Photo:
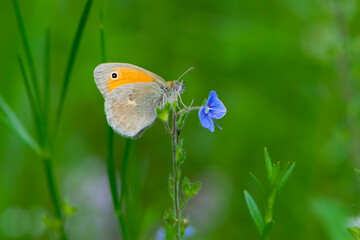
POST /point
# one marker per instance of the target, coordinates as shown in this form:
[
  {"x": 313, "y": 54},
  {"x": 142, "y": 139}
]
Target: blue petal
[
  {"x": 189, "y": 231},
  {"x": 212, "y": 98},
  {"x": 217, "y": 110},
  {"x": 206, "y": 120}
]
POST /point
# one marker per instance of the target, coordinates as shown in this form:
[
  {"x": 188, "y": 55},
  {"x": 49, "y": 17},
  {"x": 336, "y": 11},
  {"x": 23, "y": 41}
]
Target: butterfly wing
[
  {"x": 125, "y": 74},
  {"x": 131, "y": 108}
]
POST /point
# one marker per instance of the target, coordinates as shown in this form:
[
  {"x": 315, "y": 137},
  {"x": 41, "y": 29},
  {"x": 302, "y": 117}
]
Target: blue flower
[{"x": 213, "y": 109}]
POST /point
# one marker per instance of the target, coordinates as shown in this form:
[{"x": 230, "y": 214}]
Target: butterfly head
[{"x": 176, "y": 86}]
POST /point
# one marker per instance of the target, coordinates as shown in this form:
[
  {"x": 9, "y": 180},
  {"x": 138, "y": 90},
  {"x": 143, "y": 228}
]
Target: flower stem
[
  {"x": 185, "y": 110},
  {"x": 176, "y": 178},
  {"x": 54, "y": 195}
]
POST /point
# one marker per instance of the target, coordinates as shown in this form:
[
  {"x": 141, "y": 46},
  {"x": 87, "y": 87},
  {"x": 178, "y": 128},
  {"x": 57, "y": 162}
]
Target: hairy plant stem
[
  {"x": 176, "y": 177},
  {"x": 185, "y": 110},
  {"x": 175, "y": 135}
]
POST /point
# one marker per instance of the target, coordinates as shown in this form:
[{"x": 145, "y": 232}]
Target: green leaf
[
  {"x": 285, "y": 177},
  {"x": 10, "y": 120},
  {"x": 169, "y": 217},
  {"x": 171, "y": 186},
  {"x": 184, "y": 224},
  {"x": 354, "y": 232},
  {"x": 181, "y": 120},
  {"x": 254, "y": 212},
  {"x": 268, "y": 163},
  {"x": 267, "y": 230},
  {"x": 276, "y": 171},
  {"x": 180, "y": 154},
  {"x": 68, "y": 209},
  {"x": 28, "y": 54},
  {"x": 259, "y": 184},
  {"x": 47, "y": 75},
  {"x": 164, "y": 113},
  {"x": 35, "y": 108},
  {"x": 190, "y": 189}
]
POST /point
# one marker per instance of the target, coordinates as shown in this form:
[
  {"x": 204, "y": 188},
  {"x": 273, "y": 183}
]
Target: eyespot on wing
[{"x": 109, "y": 76}]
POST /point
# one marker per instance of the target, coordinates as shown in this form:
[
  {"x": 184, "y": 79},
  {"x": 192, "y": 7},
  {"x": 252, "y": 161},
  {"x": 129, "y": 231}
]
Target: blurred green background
[{"x": 287, "y": 71}]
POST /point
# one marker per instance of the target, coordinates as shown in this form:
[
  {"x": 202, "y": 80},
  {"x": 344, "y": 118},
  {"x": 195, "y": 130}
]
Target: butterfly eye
[{"x": 114, "y": 75}]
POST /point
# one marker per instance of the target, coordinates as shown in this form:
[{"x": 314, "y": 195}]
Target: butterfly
[{"x": 132, "y": 95}]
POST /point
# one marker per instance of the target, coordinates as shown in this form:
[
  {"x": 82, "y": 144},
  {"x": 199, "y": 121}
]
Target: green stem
[
  {"x": 113, "y": 183},
  {"x": 54, "y": 195},
  {"x": 123, "y": 184},
  {"x": 176, "y": 178},
  {"x": 185, "y": 110},
  {"x": 117, "y": 202}
]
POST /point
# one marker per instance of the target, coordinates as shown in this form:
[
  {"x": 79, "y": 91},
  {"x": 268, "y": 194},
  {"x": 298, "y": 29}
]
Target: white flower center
[{"x": 207, "y": 109}]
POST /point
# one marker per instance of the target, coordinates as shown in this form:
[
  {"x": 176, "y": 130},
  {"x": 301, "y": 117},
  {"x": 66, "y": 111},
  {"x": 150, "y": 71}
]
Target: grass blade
[
  {"x": 73, "y": 53},
  {"x": 27, "y": 51},
  {"x": 10, "y": 120},
  {"x": 47, "y": 75},
  {"x": 254, "y": 212},
  {"x": 34, "y": 107}
]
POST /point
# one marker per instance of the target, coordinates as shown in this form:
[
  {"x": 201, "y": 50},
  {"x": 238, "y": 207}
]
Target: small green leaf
[
  {"x": 190, "y": 189},
  {"x": 163, "y": 114},
  {"x": 285, "y": 177},
  {"x": 268, "y": 163},
  {"x": 180, "y": 154},
  {"x": 171, "y": 186},
  {"x": 259, "y": 184},
  {"x": 276, "y": 171},
  {"x": 254, "y": 212},
  {"x": 267, "y": 229},
  {"x": 184, "y": 224},
  {"x": 10, "y": 120},
  {"x": 354, "y": 232},
  {"x": 169, "y": 217},
  {"x": 181, "y": 120},
  {"x": 68, "y": 209},
  {"x": 195, "y": 188}
]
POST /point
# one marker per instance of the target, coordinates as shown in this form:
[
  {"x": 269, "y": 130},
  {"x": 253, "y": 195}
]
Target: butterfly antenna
[{"x": 185, "y": 73}]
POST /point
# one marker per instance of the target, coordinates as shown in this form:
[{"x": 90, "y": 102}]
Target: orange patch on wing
[{"x": 128, "y": 76}]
